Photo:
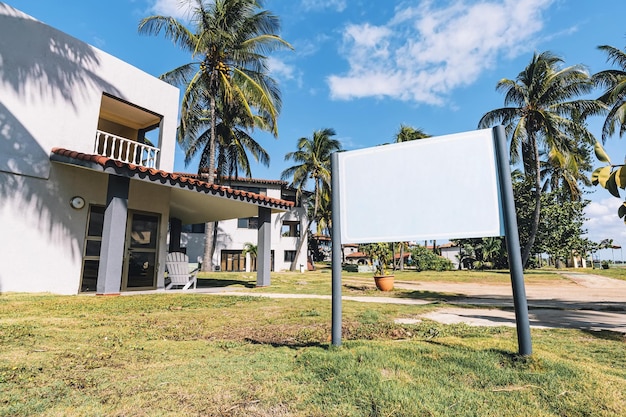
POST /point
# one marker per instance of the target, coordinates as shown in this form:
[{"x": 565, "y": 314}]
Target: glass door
[{"x": 142, "y": 236}]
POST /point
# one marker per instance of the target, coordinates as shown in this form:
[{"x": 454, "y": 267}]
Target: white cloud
[
  {"x": 281, "y": 71},
  {"x": 338, "y": 5},
  {"x": 425, "y": 51},
  {"x": 278, "y": 68},
  {"x": 603, "y": 221},
  {"x": 174, "y": 8}
]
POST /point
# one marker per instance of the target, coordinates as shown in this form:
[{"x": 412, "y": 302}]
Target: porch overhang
[{"x": 192, "y": 201}]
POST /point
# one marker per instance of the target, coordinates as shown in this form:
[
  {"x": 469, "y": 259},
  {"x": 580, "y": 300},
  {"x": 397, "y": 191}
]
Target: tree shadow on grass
[
  {"x": 607, "y": 335},
  {"x": 292, "y": 344},
  {"x": 224, "y": 282},
  {"x": 429, "y": 295}
]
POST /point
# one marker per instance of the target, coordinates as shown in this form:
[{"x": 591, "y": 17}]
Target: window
[
  {"x": 255, "y": 190},
  {"x": 193, "y": 228},
  {"x": 290, "y": 255},
  {"x": 290, "y": 229},
  {"x": 288, "y": 195},
  {"x": 248, "y": 223},
  {"x": 91, "y": 254},
  {"x": 233, "y": 260}
]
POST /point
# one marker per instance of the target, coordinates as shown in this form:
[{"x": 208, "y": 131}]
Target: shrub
[{"x": 426, "y": 260}]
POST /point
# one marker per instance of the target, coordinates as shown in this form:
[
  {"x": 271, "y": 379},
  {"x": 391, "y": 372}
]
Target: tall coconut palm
[
  {"x": 227, "y": 40},
  {"x": 234, "y": 144},
  {"x": 312, "y": 163},
  {"x": 543, "y": 115},
  {"x": 614, "y": 80}
]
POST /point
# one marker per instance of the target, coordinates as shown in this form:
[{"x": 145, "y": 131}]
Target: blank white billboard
[{"x": 443, "y": 187}]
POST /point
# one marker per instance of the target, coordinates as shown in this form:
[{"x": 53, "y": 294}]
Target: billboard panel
[{"x": 443, "y": 187}]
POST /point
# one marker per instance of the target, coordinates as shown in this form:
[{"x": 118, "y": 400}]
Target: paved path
[{"x": 583, "y": 301}]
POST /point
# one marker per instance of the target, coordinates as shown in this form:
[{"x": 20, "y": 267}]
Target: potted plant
[{"x": 380, "y": 255}]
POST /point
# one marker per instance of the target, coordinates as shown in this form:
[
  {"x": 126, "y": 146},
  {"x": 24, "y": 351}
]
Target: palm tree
[
  {"x": 491, "y": 247},
  {"x": 408, "y": 133},
  {"x": 614, "y": 80},
  {"x": 228, "y": 41},
  {"x": 235, "y": 144},
  {"x": 312, "y": 163},
  {"x": 543, "y": 115},
  {"x": 567, "y": 172},
  {"x": 252, "y": 250}
]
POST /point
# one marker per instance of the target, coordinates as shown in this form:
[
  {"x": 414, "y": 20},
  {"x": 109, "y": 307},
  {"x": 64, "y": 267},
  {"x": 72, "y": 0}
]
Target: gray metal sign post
[
  {"x": 336, "y": 253},
  {"x": 512, "y": 242}
]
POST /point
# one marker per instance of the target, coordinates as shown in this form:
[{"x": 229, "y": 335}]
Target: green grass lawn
[
  {"x": 319, "y": 282},
  {"x": 614, "y": 271},
  {"x": 196, "y": 354}
]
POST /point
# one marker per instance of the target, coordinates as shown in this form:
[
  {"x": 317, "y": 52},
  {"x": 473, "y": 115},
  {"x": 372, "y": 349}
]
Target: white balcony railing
[{"x": 125, "y": 150}]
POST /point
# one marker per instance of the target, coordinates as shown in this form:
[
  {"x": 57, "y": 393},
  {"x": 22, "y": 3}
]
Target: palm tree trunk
[
  {"x": 210, "y": 229},
  {"x": 537, "y": 212},
  {"x": 305, "y": 232},
  {"x": 303, "y": 238},
  {"x": 401, "y": 256},
  {"x": 207, "y": 259}
]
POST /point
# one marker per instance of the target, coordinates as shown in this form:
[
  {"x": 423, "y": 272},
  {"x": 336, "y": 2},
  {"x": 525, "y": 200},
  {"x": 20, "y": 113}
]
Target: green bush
[{"x": 426, "y": 260}]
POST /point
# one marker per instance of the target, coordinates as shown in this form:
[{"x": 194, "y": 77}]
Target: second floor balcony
[{"x": 126, "y": 150}]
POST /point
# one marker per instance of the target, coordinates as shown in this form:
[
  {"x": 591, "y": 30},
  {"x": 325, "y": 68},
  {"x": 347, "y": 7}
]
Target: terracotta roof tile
[
  {"x": 237, "y": 179},
  {"x": 181, "y": 180}
]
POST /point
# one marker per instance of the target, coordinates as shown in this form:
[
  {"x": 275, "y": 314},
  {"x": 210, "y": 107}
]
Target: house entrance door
[{"x": 141, "y": 251}]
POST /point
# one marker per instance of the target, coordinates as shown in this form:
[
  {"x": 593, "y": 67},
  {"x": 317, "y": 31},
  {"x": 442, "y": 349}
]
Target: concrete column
[
  {"x": 264, "y": 245},
  {"x": 176, "y": 226},
  {"x": 113, "y": 237}
]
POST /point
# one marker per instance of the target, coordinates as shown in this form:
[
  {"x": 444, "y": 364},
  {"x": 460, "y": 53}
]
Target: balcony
[{"x": 125, "y": 150}]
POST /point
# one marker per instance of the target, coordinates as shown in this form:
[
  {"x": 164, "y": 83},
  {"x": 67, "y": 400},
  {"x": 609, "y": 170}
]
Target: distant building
[{"x": 452, "y": 252}]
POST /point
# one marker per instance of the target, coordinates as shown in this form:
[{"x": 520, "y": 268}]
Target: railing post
[{"x": 125, "y": 150}]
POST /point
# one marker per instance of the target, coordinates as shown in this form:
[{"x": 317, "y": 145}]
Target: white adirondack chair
[{"x": 177, "y": 264}]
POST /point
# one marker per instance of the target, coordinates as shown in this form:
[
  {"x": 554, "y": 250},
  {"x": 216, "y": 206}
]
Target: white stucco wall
[
  {"x": 42, "y": 236},
  {"x": 51, "y": 87},
  {"x": 451, "y": 253}
]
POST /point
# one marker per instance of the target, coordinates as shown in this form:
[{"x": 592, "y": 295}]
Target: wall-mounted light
[{"x": 77, "y": 202}]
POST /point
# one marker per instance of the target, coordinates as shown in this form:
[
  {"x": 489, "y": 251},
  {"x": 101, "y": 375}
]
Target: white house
[
  {"x": 85, "y": 200},
  {"x": 233, "y": 235},
  {"x": 452, "y": 252}
]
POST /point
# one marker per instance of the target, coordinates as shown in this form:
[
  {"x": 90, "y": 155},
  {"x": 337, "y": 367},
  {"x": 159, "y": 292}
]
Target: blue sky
[{"x": 366, "y": 67}]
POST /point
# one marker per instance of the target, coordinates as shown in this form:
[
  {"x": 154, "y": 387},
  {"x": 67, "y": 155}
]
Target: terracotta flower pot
[{"x": 384, "y": 283}]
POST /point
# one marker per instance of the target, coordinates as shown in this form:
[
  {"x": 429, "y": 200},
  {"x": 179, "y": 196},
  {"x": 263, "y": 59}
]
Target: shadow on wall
[
  {"x": 21, "y": 153},
  {"x": 40, "y": 61},
  {"x": 38, "y": 64},
  {"x": 23, "y": 176}
]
